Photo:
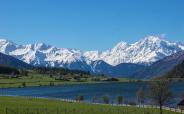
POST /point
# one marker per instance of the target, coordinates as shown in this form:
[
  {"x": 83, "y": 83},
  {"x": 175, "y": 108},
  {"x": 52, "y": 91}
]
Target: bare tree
[
  {"x": 140, "y": 96},
  {"x": 94, "y": 99},
  {"x": 182, "y": 96},
  {"x": 80, "y": 98},
  {"x": 105, "y": 99},
  {"x": 160, "y": 93},
  {"x": 120, "y": 99}
]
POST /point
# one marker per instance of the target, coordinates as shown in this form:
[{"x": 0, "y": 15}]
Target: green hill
[
  {"x": 176, "y": 72},
  {"x": 12, "y": 62}
]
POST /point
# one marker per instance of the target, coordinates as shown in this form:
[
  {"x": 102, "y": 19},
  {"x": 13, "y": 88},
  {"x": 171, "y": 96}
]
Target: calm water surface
[{"x": 127, "y": 90}]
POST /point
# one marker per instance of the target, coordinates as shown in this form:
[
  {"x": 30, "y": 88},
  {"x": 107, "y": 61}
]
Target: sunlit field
[{"x": 20, "y": 105}]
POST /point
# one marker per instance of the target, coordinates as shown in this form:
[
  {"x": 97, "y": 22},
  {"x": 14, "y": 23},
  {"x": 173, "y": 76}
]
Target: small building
[{"x": 181, "y": 104}]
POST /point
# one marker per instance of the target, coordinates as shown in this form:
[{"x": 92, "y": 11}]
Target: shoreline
[{"x": 75, "y": 83}]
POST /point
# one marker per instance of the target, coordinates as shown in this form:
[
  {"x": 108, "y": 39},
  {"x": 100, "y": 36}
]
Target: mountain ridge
[
  {"x": 161, "y": 67},
  {"x": 10, "y": 61},
  {"x": 144, "y": 52}
]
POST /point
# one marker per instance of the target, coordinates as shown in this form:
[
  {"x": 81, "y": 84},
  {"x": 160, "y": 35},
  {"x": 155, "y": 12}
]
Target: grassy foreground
[{"x": 19, "y": 105}]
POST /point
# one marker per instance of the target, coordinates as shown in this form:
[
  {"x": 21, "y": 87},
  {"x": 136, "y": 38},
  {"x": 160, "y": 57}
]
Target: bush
[
  {"x": 132, "y": 103},
  {"x": 80, "y": 98},
  {"x": 95, "y": 79},
  {"x": 105, "y": 99},
  {"x": 94, "y": 99},
  {"x": 23, "y": 72},
  {"x": 111, "y": 79},
  {"x": 120, "y": 99},
  {"x": 51, "y": 84},
  {"x": 23, "y": 84},
  {"x": 51, "y": 76},
  {"x": 62, "y": 78},
  {"x": 78, "y": 79}
]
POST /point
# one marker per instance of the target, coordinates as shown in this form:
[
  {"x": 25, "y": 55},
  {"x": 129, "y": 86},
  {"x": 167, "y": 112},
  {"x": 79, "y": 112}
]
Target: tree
[
  {"x": 23, "y": 84},
  {"x": 80, "y": 98},
  {"x": 140, "y": 96},
  {"x": 77, "y": 78},
  {"x": 120, "y": 99},
  {"x": 23, "y": 72},
  {"x": 105, "y": 99},
  {"x": 112, "y": 79},
  {"x": 160, "y": 93},
  {"x": 182, "y": 96},
  {"x": 51, "y": 76},
  {"x": 94, "y": 99},
  {"x": 51, "y": 83}
]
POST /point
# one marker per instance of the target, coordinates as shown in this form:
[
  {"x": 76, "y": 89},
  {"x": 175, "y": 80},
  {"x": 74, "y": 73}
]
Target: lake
[{"x": 89, "y": 91}]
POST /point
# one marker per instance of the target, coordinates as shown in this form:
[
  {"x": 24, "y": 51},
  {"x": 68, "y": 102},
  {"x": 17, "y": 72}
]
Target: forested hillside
[{"x": 176, "y": 72}]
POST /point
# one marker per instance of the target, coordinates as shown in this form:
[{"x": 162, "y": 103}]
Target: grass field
[
  {"x": 20, "y": 105},
  {"x": 35, "y": 79}
]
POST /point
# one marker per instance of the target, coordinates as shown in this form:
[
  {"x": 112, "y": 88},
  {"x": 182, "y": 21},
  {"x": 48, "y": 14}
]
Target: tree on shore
[
  {"x": 140, "y": 96},
  {"x": 105, "y": 99},
  {"x": 23, "y": 84},
  {"x": 120, "y": 100},
  {"x": 51, "y": 83},
  {"x": 80, "y": 98},
  {"x": 160, "y": 93},
  {"x": 94, "y": 99},
  {"x": 182, "y": 96}
]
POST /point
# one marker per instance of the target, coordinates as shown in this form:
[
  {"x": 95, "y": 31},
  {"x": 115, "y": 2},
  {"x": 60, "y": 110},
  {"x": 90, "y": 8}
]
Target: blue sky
[{"x": 90, "y": 24}]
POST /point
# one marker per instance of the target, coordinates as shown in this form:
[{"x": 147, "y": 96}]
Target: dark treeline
[
  {"x": 54, "y": 71},
  {"x": 41, "y": 70},
  {"x": 8, "y": 70},
  {"x": 177, "y": 72}
]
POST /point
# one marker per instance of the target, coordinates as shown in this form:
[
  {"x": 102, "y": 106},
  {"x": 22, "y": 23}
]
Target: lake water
[{"x": 89, "y": 91}]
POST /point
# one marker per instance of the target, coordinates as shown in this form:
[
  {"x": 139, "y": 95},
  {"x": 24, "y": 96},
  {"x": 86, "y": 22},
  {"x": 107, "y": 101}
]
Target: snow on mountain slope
[
  {"x": 40, "y": 54},
  {"x": 145, "y": 51}
]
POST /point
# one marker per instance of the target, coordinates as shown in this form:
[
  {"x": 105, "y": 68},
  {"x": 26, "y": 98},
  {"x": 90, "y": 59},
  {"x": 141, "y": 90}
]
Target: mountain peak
[
  {"x": 6, "y": 46},
  {"x": 152, "y": 39},
  {"x": 120, "y": 46},
  {"x": 40, "y": 46},
  {"x": 3, "y": 41},
  {"x": 121, "y": 43}
]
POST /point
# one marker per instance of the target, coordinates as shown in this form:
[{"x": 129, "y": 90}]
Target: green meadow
[
  {"x": 37, "y": 79},
  {"x": 22, "y": 105}
]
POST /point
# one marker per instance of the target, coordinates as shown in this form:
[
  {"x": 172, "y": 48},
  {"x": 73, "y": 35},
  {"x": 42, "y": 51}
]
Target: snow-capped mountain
[{"x": 145, "y": 51}]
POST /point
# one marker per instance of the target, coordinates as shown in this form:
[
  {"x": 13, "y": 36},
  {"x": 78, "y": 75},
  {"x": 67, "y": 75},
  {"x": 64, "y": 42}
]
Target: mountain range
[
  {"x": 7, "y": 60},
  {"x": 122, "y": 60}
]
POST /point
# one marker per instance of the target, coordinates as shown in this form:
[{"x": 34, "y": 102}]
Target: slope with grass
[
  {"x": 176, "y": 73},
  {"x": 13, "y": 105}
]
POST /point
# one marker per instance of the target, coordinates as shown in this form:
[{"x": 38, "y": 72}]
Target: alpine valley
[{"x": 124, "y": 60}]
